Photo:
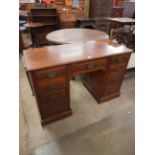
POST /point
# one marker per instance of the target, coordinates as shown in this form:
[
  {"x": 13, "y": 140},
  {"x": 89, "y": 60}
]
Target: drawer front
[
  {"x": 60, "y": 103},
  {"x": 118, "y": 59},
  {"x": 48, "y": 111},
  {"x": 88, "y": 66},
  {"x": 118, "y": 68},
  {"x": 54, "y": 97},
  {"x": 52, "y": 84},
  {"x": 115, "y": 78},
  {"x": 50, "y": 73},
  {"x": 112, "y": 89}
]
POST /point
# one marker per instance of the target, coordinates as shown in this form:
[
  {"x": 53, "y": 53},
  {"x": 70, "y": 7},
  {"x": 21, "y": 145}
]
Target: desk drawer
[
  {"x": 60, "y": 103},
  {"x": 118, "y": 59},
  {"x": 48, "y": 111},
  {"x": 114, "y": 78},
  {"x": 118, "y": 68},
  {"x": 52, "y": 84},
  {"x": 50, "y": 73},
  {"x": 58, "y": 96},
  {"x": 112, "y": 89},
  {"x": 89, "y": 65}
]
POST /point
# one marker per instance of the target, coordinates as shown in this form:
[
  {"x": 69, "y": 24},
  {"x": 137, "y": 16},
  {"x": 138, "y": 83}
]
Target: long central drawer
[{"x": 83, "y": 67}]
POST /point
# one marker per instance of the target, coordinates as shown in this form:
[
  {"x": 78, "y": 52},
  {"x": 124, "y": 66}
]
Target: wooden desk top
[
  {"x": 75, "y": 35},
  {"x": 123, "y": 20},
  {"x": 50, "y": 56}
]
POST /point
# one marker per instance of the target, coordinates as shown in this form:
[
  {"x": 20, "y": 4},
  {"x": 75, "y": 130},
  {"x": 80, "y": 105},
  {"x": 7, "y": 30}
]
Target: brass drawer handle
[
  {"x": 113, "y": 80},
  {"x": 51, "y": 74},
  {"x": 90, "y": 65},
  {"x": 52, "y": 86},
  {"x": 54, "y": 97}
]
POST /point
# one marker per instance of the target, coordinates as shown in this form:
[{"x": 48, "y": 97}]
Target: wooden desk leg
[
  {"x": 21, "y": 43},
  {"x": 30, "y": 82}
]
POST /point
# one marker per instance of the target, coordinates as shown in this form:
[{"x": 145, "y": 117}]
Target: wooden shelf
[{"x": 43, "y": 15}]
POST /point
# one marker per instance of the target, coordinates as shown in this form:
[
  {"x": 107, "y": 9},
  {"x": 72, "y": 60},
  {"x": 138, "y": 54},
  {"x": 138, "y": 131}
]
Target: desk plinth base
[{"x": 56, "y": 117}]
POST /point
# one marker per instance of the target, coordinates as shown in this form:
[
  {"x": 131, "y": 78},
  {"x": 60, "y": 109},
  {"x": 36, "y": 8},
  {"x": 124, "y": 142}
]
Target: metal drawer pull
[
  {"x": 90, "y": 65},
  {"x": 51, "y": 74},
  {"x": 52, "y": 86},
  {"x": 54, "y": 97},
  {"x": 114, "y": 80}
]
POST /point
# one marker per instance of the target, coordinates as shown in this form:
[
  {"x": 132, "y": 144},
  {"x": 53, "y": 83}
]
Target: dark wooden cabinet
[
  {"x": 49, "y": 22},
  {"x": 117, "y": 11},
  {"x": 101, "y": 8}
]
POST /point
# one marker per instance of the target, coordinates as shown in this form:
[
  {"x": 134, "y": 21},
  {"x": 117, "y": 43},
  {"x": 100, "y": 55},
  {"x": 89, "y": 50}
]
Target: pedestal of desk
[
  {"x": 105, "y": 84},
  {"x": 96, "y": 85}
]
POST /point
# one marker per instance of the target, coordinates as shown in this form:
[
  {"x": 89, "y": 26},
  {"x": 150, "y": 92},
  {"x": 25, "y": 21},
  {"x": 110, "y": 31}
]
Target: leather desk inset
[{"x": 51, "y": 68}]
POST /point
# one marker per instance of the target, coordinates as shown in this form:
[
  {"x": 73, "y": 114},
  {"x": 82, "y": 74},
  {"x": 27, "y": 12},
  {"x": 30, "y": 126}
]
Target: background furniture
[
  {"x": 42, "y": 21},
  {"x": 67, "y": 20},
  {"x": 86, "y": 23},
  {"x": 67, "y": 36},
  {"x": 101, "y": 8},
  {"x": 129, "y": 8},
  {"x": 51, "y": 68},
  {"x": 124, "y": 32},
  {"x": 117, "y": 11}
]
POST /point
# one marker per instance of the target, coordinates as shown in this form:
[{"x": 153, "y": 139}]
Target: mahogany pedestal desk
[{"x": 51, "y": 69}]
